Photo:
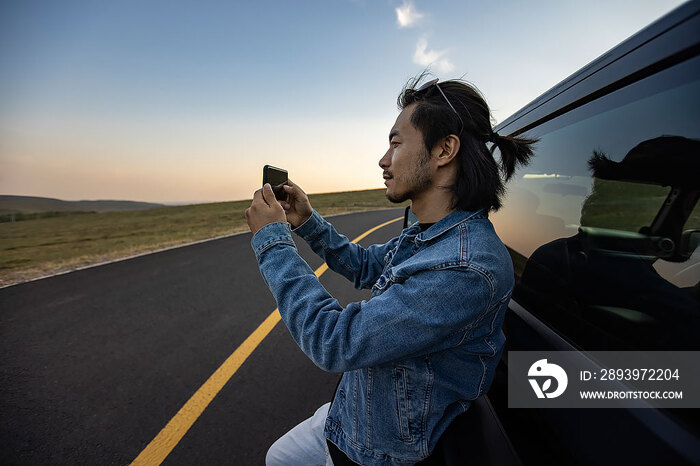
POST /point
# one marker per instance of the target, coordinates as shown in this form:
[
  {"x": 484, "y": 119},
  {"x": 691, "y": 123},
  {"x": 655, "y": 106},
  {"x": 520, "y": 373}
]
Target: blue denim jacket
[{"x": 419, "y": 350}]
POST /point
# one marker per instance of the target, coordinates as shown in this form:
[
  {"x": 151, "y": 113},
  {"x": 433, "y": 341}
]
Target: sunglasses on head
[{"x": 434, "y": 82}]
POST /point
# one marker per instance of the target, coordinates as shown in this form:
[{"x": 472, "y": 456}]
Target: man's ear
[{"x": 446, "y": 150}]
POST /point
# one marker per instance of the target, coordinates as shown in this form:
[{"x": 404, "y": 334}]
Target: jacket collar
[{"x": 447, "y": 223}]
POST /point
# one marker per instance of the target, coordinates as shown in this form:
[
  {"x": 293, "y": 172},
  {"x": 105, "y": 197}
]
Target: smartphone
[{"x": 277, "y": 177}]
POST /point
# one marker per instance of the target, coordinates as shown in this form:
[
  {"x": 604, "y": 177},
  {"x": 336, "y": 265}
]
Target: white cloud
[
  {"x": 406, "y": 15},
  {"x": 425, "y": 57}
]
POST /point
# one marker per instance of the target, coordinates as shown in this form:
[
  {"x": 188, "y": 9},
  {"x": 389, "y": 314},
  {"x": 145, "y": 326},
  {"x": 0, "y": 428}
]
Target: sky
[{"x": 186, "y": 101}]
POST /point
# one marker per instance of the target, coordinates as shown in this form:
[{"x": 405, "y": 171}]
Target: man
[{"x": 429, "y": 339}]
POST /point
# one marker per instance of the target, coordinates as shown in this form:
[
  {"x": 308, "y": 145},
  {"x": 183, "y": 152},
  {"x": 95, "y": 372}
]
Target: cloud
[
  {"x": 406, "y": 15},
  {"x": 425, "y": 57}
]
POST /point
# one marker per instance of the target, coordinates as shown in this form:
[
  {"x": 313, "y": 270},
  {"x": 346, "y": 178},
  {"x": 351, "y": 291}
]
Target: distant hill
[{"x": 29, "y": 204}]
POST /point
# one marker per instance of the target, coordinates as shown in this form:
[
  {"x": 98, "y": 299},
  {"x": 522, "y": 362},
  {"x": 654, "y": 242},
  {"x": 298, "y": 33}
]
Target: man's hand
[
  {"x": 264, "y": 209},
  {"x": 297, "y": 207}
]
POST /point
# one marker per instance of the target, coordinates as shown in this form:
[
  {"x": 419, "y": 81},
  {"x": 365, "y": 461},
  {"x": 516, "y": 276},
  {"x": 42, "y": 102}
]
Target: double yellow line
[{"x": 161, "y": 446}]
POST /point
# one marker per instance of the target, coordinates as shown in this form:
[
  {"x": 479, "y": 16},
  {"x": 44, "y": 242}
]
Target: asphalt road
[{"x": 96, "y": 362}]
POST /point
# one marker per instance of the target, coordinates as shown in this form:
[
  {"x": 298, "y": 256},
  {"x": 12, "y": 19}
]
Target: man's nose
[{"x": 385, "y": 161}]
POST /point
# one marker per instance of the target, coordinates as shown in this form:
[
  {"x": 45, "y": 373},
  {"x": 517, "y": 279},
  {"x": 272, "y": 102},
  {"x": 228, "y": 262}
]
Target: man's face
[{"x": 406, "y": 166}]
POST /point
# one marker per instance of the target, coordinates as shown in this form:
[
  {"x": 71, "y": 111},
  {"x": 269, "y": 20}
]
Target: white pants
[{"x": 304, "y": 445}]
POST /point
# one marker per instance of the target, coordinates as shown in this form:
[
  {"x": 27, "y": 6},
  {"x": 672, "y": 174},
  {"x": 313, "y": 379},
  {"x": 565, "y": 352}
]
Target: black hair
[{"x": 478, "y": 183}]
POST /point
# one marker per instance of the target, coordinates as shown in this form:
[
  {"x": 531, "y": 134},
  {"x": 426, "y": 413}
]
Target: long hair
[{"x": 478, "y": 183}]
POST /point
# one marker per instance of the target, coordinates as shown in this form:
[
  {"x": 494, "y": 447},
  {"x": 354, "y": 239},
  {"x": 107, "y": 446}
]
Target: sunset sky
[{"x": 173, "y": 101}]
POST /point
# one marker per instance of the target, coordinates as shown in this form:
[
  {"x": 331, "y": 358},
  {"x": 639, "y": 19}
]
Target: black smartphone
[{"x": 277, "y": 177}]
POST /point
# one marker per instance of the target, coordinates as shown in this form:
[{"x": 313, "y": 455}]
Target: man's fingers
[
  {"x": 269, "y": 194},
  {"x": 290, "y": 192},
  {"x": 295, "y": 186},
  {"x": 293, "y": 190},
  {"x": 260, "y": 197}
]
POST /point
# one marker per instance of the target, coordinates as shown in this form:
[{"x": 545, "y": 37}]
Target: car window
[{"x": 599, "y": 224}]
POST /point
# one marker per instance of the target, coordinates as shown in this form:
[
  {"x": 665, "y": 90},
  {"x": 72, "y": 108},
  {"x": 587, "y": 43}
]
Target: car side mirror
[{"x": 409, "y": 218}]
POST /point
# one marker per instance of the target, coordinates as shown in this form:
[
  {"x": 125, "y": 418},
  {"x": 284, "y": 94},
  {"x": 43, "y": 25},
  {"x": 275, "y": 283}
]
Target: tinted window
[{"x": 599, "y": 223}]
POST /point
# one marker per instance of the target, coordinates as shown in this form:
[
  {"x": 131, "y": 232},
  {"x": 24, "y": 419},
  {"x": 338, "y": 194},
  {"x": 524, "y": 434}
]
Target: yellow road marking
[{"x": 161, "y": 446}]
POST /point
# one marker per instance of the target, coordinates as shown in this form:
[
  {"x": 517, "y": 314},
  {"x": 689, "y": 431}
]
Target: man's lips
[{"x": 387, "y": 176}]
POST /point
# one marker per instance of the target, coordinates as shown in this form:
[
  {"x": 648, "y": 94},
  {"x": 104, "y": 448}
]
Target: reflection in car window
[
  {"x": 622, "y": 205},
  {"x": 599, "y": 225}
]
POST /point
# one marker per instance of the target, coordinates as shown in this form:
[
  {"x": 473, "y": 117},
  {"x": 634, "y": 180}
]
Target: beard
[{"x": 416, "y": 181}]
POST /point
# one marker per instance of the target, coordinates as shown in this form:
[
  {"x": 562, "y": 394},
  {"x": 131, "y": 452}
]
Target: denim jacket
[{"x": 419, "y": 350}]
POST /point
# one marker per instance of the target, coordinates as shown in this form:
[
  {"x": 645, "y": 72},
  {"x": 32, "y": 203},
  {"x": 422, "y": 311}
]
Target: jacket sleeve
[
  {"x": 359, "y": 265},
  {"x": 409, "y": 319}
]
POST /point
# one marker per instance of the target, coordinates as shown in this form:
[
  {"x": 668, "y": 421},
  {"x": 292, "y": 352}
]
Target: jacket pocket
[{"x": 403, "y": 403}]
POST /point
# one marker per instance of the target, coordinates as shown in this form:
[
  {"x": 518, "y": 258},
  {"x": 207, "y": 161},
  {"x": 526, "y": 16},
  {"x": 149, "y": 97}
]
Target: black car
[{"x": 603, "y": 227}]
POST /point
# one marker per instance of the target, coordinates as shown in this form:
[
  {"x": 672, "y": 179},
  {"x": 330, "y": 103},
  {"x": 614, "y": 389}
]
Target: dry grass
[{"x": 46, "y": 246}]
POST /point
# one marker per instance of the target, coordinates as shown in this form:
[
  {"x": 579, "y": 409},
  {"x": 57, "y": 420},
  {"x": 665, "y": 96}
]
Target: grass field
[{"x": 45, "y": 246}]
